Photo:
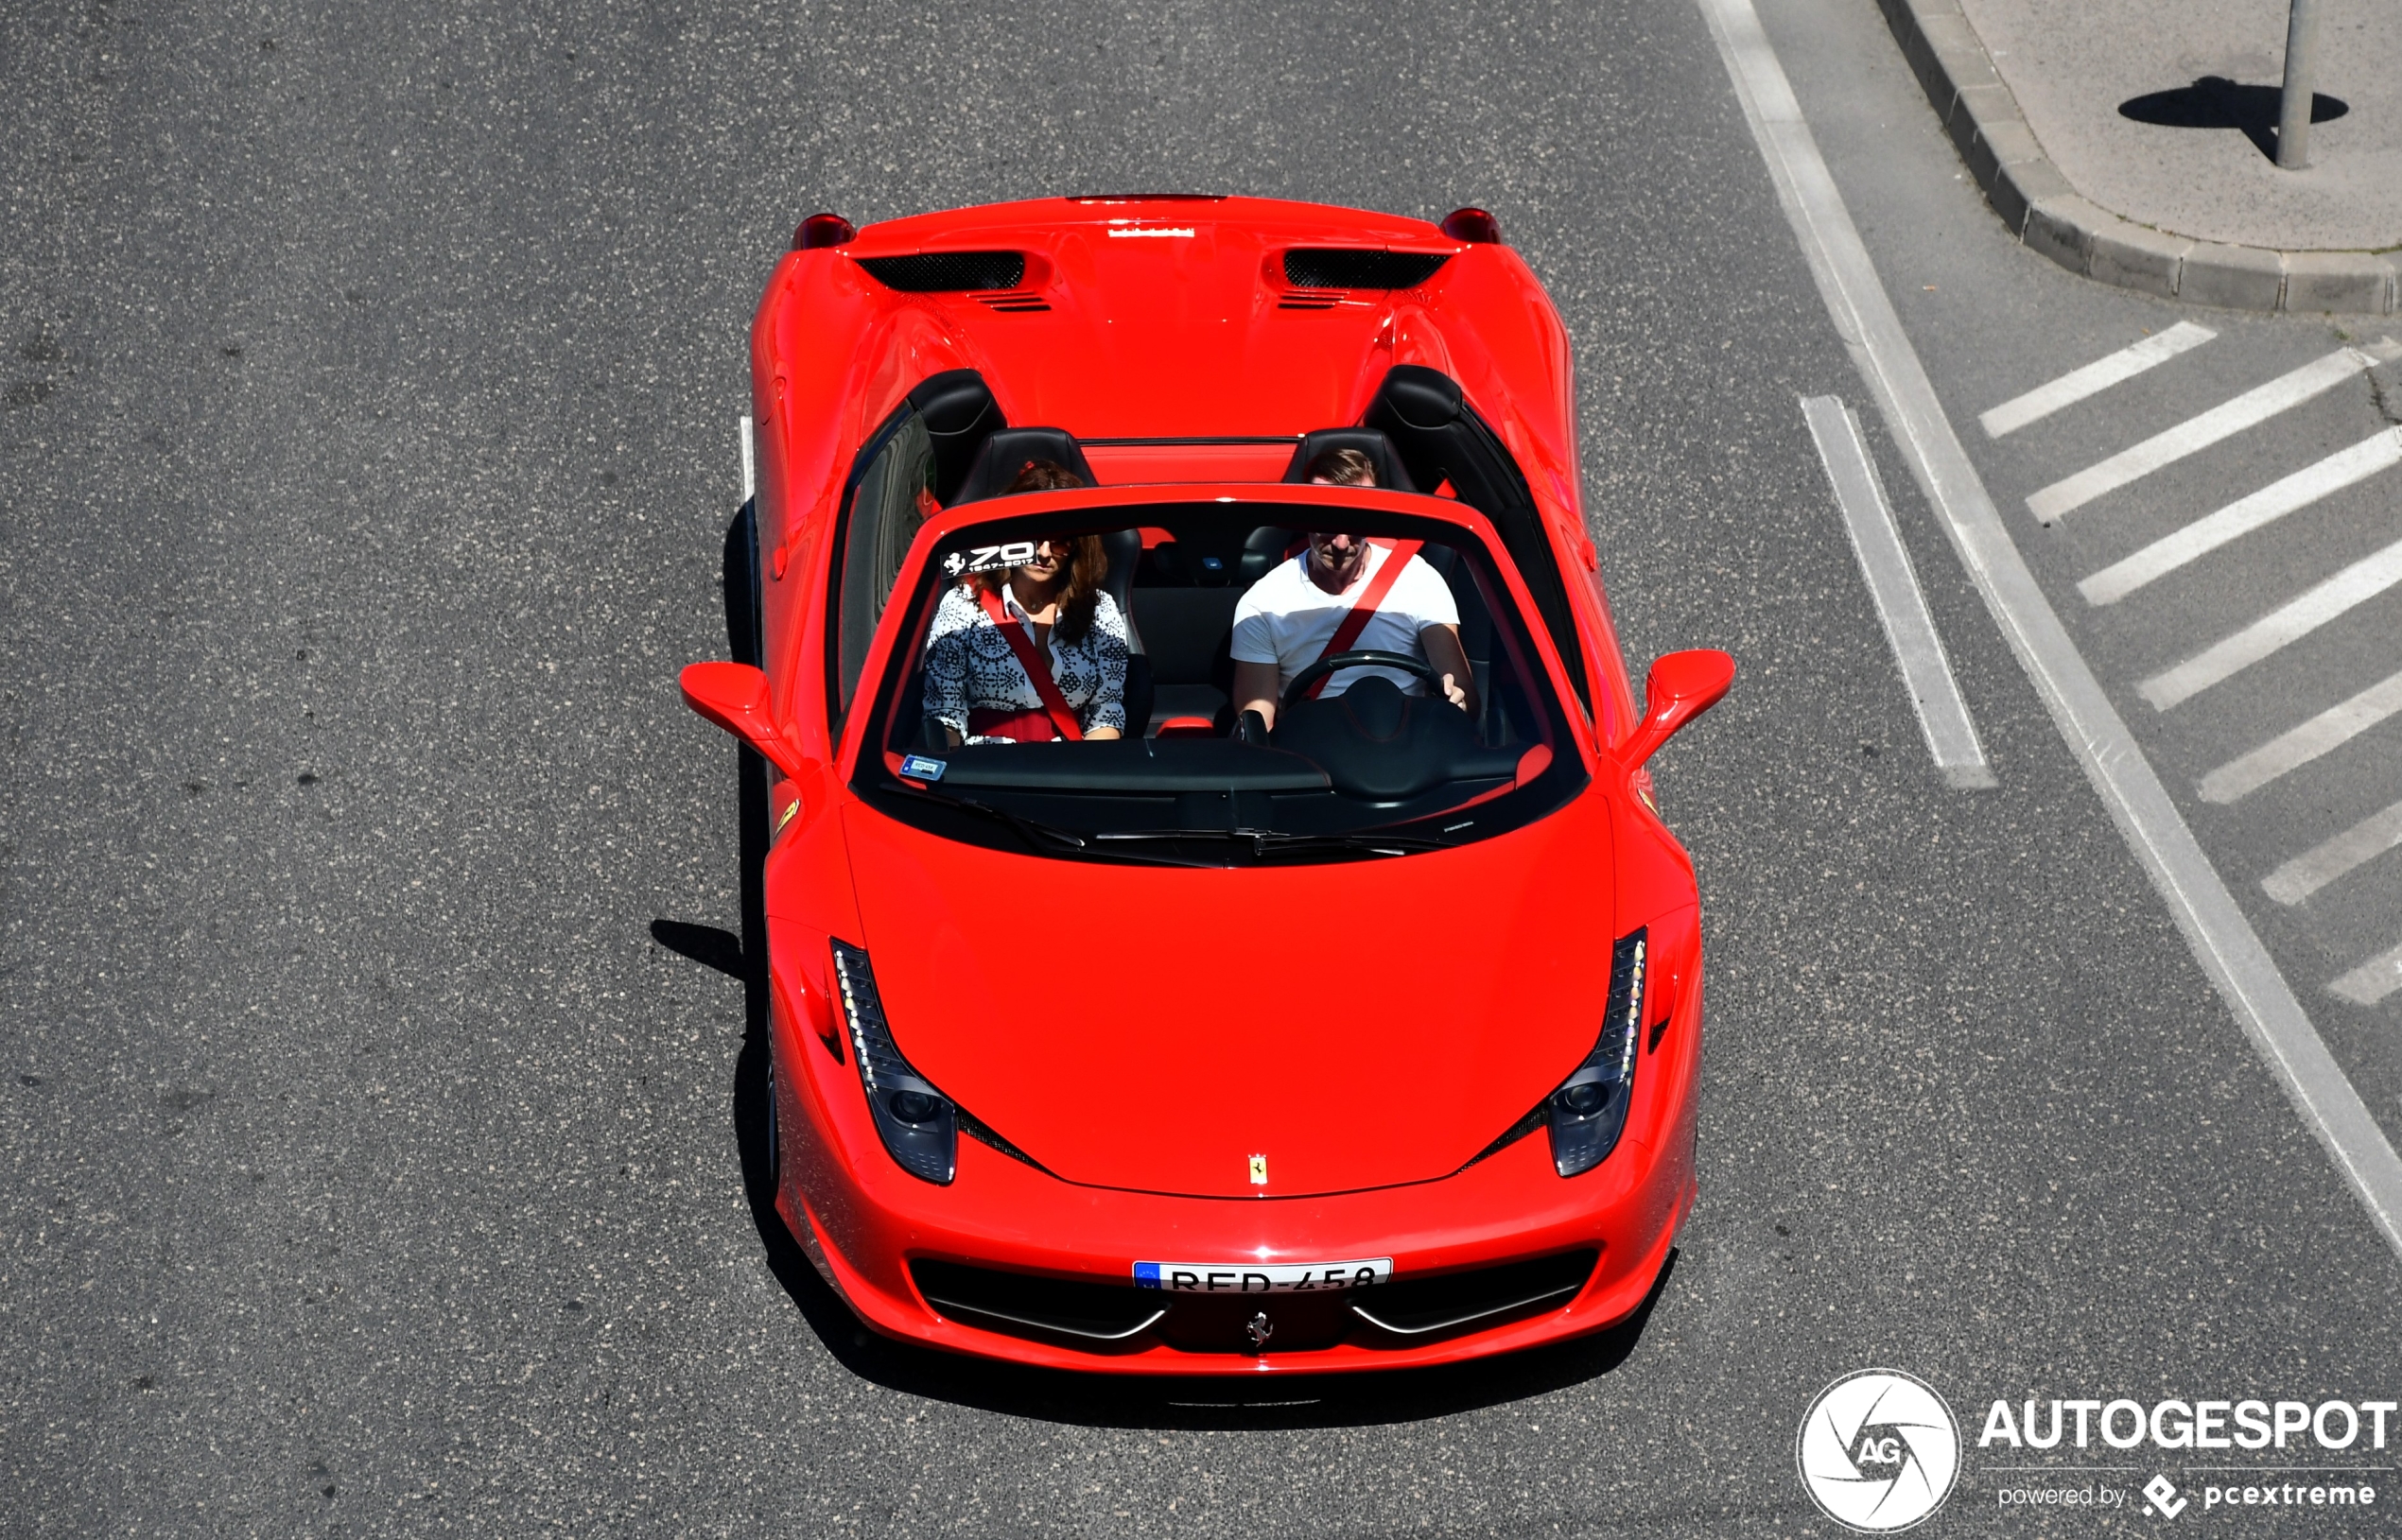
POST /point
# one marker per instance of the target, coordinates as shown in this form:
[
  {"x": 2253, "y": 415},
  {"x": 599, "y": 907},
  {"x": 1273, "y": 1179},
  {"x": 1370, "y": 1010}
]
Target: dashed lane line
[
  {"x": 2371, "y": 980},
  {"x": 2280, "y": 628},
  {"x": 2254, "y": 406},
  {"x": 2290, "y": 749},
  {"x": 2094, "y": 378},
  {"x": 2241, "y": 517},
  {"x": 2356, "y": 846},
  {"x": 1885, "y": 562},
  {"x": 2222, "y": 939}
]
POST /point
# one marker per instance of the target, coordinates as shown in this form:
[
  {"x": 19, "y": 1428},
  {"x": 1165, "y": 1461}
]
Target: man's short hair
[{"x": 1345, "y": 468}]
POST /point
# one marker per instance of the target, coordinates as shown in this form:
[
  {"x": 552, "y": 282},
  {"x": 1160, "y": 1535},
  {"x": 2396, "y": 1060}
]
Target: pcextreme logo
[{"x": 1878, "y": 1451}]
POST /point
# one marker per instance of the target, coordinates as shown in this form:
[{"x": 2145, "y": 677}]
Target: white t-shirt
[{"x": 1287, "y": 620}]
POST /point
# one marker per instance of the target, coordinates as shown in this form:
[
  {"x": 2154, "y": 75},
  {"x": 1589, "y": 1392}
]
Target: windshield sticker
[
  {"x": 1015, "y": 553},
  {"x": 920, "y": 768}
]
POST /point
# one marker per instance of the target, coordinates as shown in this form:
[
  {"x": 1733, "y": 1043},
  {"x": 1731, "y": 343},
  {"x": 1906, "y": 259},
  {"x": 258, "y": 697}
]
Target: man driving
[{"x": 1289, "y": 619}]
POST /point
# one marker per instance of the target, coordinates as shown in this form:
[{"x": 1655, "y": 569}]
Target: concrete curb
[{"x": 2045, "y": 212}]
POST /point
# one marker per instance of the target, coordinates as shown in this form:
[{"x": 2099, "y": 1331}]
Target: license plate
[{"x": 1260, "y": 1277}]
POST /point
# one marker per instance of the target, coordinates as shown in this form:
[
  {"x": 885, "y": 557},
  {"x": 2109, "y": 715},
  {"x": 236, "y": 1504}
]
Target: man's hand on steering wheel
[{"x": 1373, "y": 658}]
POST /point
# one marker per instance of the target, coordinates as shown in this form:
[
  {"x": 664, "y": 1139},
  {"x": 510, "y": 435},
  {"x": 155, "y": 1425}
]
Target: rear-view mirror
[{"x": 1682, "y": 686}]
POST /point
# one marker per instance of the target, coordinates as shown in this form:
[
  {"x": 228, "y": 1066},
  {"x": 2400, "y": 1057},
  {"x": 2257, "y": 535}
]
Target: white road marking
[
  {"x": 2270, "y": 503},
  {"x": 1885, "y": 562},
  {"x": 2314, "y": 869},
  {"x": 2094, "y": 378},
  {"x": 2253, "y": 407},
  {"x": 750, "y": 483},
  {"x": 2330, "y": 729},
  {"x": 2222, "y": 940},
  {"x": 2371, "y": 980},
  {"x": 2287, "y": 623}
]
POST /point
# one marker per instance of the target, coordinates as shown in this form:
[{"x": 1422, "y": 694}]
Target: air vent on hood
[
  {"x": 1012, "y": 302},
  {"x": 1350, "y": 266},
  {"x": 932, "y": 273}
]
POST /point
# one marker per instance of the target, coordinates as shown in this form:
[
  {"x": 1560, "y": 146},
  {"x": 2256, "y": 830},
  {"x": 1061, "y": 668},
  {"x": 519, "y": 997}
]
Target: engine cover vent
[
  {"x": 935, "y": 273},
  {"x": 1351, "y": 266}
]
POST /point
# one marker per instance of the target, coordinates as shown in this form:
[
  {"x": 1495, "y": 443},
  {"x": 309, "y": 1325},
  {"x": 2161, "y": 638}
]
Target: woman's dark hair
[
  {"x": 1043, "y": 476},
  {"x": 1086, "y": 565}
]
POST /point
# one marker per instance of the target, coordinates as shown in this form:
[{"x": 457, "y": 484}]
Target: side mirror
[
  {"x": 1682, "y": 686},
  {"x": 734, "y": 696}
]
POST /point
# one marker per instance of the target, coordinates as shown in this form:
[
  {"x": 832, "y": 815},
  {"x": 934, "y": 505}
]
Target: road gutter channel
[{"x": 2222, "y": 938}]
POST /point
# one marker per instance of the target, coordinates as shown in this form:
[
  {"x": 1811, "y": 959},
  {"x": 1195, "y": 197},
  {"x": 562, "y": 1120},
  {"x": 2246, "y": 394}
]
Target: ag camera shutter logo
[{"x": 1878, "y": 1451}]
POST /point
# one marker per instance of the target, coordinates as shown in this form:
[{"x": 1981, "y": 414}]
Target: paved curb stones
[{"x": 2043, "y": 211}]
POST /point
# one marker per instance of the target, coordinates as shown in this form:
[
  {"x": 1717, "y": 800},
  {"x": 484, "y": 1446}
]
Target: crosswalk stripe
[
  {"x": 2371, "y": 980},
  {"x": 2254, "y": 406},
  {"x": 2314, "y": 869},
  {"x": 2094, "y": 378},
  {"x": 2330, "y": 729},
  {"x": 2270, "y": 503},
  {"x": 2290, "y": 622}
]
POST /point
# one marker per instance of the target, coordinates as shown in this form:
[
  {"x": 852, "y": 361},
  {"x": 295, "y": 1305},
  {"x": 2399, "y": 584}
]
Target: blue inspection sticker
[{"x": 920, "y": 768}]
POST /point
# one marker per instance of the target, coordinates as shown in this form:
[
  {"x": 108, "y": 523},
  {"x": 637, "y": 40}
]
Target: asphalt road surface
[{"x": 371, "y": 909}]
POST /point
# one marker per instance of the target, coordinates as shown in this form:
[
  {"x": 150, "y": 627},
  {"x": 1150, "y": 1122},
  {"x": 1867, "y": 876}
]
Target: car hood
[{"x": 1356, "y": 1024}]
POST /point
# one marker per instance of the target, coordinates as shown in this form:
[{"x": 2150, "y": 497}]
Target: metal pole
[{"x": 2294, "y": 108}]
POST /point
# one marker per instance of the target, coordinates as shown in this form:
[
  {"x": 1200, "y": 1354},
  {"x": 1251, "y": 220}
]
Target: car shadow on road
[{"x": 1045, "y": 1395}]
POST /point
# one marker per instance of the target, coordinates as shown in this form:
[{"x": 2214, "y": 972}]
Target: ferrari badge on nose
[{"x": 1259, "y": 1170}]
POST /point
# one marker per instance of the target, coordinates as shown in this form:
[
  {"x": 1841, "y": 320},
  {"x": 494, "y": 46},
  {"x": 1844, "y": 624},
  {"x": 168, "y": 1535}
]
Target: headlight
[
  {"x": 1588, "y": 1110},
  {"x": 918, "y": 1124}
]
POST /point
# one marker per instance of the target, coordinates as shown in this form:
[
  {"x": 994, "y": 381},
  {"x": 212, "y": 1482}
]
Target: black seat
[
  {"x": 1378, "y": 448},
  {"x": 960, "y": 414},
  {"x": 1005, "y": 452},
  {"x": 1125, "y": 551}
]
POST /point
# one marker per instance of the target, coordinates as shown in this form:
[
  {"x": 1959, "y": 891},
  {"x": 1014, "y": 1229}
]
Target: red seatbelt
[
  {"x": 1363, "y": 609},
  {"x": 1063, "y": 716}
]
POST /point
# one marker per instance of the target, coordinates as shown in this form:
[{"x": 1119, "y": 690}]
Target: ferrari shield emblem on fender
[{"x": 1259, "y": 1170}]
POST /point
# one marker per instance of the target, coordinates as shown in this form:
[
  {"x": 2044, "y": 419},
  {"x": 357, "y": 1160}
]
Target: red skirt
[{"x": 1033, "y": 726}]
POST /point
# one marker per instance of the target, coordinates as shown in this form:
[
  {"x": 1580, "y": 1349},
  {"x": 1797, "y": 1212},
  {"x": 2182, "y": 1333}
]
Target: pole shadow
[{"x": 2213, "y": 101}]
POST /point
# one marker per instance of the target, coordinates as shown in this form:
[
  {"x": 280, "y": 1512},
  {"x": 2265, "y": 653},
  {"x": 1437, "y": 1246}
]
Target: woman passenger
[{"x": 977, "y": 689}]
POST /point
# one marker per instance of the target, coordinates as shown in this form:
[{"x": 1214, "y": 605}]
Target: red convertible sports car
[{"x": 1218, "y": 920}]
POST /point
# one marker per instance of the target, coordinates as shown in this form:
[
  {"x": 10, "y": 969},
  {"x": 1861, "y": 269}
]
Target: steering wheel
[{"x": 1299, "y": 688}]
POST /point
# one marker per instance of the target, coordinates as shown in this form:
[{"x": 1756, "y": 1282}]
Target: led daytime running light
[
  {"x": 1588, "y": 1110},
  {"x": 918, "y": 1124}
]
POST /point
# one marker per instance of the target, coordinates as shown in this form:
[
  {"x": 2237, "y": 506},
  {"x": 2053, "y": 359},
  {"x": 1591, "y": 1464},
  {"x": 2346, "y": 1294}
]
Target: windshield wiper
[
  {"x": 1275, "y": 841},
  {"x": 1032, "y": 831}
]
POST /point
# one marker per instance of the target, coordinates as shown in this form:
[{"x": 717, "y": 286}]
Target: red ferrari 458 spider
[{"x": 1216, "y": 914}]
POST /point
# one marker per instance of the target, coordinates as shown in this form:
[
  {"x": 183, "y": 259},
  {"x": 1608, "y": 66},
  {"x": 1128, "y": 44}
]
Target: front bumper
[{"x": 867, "y": 1225}]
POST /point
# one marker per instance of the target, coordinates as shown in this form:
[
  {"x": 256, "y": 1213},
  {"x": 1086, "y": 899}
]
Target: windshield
[{"x": 1201, "y": 688}]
